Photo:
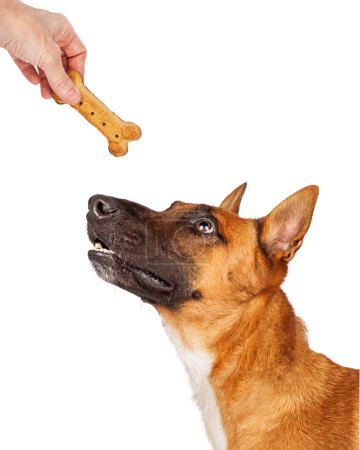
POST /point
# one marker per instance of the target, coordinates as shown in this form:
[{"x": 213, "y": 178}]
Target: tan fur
[{"x": 272, "y": 390}]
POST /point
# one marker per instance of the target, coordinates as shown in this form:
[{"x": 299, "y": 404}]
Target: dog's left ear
[
  {"x": 283, "y": 230},
  {"x": 233, "y": 200}
]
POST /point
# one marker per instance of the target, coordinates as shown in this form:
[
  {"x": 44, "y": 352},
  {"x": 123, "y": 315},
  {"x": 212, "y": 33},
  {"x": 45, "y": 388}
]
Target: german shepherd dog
[{"x": 215, "y": 279}]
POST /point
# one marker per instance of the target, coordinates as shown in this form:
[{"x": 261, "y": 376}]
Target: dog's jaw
[{"x": 130, "y": 252}]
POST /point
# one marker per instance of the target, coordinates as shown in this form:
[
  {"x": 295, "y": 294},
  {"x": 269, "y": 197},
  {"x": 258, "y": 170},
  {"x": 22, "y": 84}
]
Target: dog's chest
[{"x": 198, "y": 365}]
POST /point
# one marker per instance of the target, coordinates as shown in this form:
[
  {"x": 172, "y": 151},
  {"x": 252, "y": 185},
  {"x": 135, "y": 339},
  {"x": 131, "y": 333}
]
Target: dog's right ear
[
  {"x": 233, "y": 200},
  {"x": 283, "y": 230}
]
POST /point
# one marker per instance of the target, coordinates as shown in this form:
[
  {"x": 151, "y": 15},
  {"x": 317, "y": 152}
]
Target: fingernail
[{"x": 73, "y": 96}]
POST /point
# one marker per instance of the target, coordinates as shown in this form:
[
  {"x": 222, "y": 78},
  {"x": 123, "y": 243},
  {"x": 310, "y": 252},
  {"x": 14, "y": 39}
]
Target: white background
[{"x": 225, "y": 92}]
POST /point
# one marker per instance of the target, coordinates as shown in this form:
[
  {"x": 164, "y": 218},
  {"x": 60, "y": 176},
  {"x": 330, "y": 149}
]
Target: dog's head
[{"x": 196, "y": 254}]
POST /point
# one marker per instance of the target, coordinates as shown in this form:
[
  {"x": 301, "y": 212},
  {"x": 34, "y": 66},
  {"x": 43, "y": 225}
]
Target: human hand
[{"x": 44, "y": 46}]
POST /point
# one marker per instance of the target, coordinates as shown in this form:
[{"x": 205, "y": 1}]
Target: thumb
[{"x": 59, "y": 82}]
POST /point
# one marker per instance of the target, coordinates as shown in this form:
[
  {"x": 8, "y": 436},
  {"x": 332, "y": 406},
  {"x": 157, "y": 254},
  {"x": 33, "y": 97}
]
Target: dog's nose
[{"x": 103, "y": 206}]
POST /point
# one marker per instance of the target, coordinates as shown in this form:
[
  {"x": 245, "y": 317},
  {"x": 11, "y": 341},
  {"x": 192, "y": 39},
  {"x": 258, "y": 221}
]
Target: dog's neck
[
  {"x": 231, "y": 351},
  {"x": 267, "y": 320}
]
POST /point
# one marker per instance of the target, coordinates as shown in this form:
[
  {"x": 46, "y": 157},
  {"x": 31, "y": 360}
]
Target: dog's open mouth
[
  {"x": 99, "y": 246},
  {"x": 144, "y": 277}
]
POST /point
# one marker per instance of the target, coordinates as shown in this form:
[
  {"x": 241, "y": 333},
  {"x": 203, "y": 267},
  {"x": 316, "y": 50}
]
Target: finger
[
  {"x": 45, "y": 88},
  {"x": 64, "y": 61},
  {"x": 27, "y": 70},
  {"x": 74, "y": 50},
  {"x": 76, "y": 54},
  {"x": 58, "y": 80}
]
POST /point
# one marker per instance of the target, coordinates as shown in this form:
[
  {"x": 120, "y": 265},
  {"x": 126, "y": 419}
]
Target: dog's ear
[
  {"x": 233, "y": 200},
  {"x": 283, "y": 230}
]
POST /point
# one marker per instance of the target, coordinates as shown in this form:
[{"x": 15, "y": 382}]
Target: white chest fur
[{"x": 199, "y": 364}]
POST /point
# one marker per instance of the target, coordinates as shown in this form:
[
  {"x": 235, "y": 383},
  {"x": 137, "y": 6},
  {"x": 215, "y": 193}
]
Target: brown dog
[{"x": 215, "y": 280}]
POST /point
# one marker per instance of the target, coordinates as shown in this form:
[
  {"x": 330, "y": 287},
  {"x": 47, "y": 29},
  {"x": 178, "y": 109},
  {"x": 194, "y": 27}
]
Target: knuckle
[
  {"x": 51, "y": 53},
  {"x": 61, "y": 81},
  {"x": 61, "y": 18}
]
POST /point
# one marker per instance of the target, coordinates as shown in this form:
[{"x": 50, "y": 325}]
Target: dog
[{"x": 215, "y": 279}]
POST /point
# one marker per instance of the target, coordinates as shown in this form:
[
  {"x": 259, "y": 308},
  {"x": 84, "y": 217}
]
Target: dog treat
[{"x": 116, "y": 131}]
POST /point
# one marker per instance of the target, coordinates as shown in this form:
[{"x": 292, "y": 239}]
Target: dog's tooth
[{"x": 98, "y": 246}]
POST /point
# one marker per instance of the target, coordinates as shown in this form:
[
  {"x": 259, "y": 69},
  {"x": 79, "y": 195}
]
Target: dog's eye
[{"x": 205, "y": 226}]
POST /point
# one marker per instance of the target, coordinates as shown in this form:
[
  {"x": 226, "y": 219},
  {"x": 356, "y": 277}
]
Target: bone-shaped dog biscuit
[{"x": 117, "y": 132}]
